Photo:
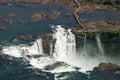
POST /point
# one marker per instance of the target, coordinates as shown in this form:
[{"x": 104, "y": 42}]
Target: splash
[
  {"x": 63, "y": 55},
  {"x": 65, "y": 44},
  {"x": 23, "y": 49}
]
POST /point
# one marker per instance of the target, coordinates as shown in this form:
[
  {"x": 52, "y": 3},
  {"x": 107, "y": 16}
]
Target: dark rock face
[
  {"x": 46, "y": 41},
  {"x": 25, "y": 37},
  {"x": 37, "y": 16},
  {"x": 1, "y": 50},
  {"x": 8, "y": 21},
  {"x": 105, "y": 71},
  {"x": 54, "y": 15}
]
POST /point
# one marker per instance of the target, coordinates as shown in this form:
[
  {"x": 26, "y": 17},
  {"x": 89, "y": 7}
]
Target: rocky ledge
[
  {"x": 46, "y": 41},
  {"x": 107, "y": 66},
  {"x": 25, "y": 37}
]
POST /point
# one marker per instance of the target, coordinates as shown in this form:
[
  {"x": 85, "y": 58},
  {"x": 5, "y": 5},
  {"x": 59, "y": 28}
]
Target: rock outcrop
[
  {"x": 8, "y": 21},
  {"x": 2, "y": 28},
  {"x": 36, "y": 16},
  {"x": 54, "y": 15},
  {"x": 22, "y": 21},
  {"x": 25, "y": 37},
  {"x": 46, "y": 41},
  {"x": 107, "y": 66}
]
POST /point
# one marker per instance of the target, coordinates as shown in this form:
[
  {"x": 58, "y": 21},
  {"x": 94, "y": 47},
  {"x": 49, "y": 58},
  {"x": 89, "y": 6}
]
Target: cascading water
[
  {"x": 22, "y": 50},
  {"x": 63, "y": 48},
  {"x": 85, "y": 39},
  {"x": 63, "y": 55},
  {"x": 99, "y": 44},
  {"x": 65, "y": 43}
]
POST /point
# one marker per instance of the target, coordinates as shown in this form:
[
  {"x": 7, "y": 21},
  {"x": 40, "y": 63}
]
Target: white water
[
  {"x": 99, "y": 44},
  {"x": 85, "y": 39},
  {"x": 64, "y": 51},
  {"x": 65, "y": 44},
  {"x": 22, "y": 50}
]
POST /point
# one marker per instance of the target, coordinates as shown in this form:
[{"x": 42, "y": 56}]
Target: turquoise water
[
  {"x": 19, "y": 69},
  {"x": 23, "y": 12}
]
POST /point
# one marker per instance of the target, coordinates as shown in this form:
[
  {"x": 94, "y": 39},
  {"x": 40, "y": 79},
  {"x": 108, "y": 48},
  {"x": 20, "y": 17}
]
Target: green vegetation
[
  {"x": 115, "y": 3},
  {"x": 110, "y": 42}
]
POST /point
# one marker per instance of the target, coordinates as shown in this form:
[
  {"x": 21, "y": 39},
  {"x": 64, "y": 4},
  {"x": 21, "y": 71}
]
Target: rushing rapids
[
  {"x": 63, "y": 57},
  {"x": 22, "y": 50}
]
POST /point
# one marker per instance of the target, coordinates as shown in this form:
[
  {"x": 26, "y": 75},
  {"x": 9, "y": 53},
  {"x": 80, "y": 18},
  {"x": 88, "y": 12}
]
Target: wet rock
[
  {"x": 25, "y": 37},
  {"x": 11, "y": 15},
  {"x": 10, "y": 58},
  {"x": 46, "y": 42},
  {"x": 117, "y": 72},
  {"x": 22, "y": 21},
  {"x": 54, "y": 15},
  {"x": 2, "y": 28},
  {"x": 37, "y": 16},
  {"x": 8, "y": 21},
  {"x": 107, "y": 66},
  {"x": 1, "y": 49},
  {"x": 69, "y": 14}
]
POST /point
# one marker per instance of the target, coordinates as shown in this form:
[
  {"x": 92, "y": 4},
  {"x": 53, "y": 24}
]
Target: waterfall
[
  {"x": 85, "y": 39},
  {"x": 22, "y": 50},
  {"x": 65, "y": 44},
  {"x": 99, "y": 44},
  {"x": 51, "y": 49},
  {"x": 64, "y": 57}
]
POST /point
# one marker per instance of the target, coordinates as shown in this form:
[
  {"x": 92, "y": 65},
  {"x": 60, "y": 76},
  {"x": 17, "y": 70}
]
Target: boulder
[
  {"x": 107, "y": 66},
  {"x": 54, "y": 15},
  {"x": 36, "y": 16},
  {"x": 2, "y": 28},
  {"x": 8, "y": 21},
  {"x": 69, "y": 14}
]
